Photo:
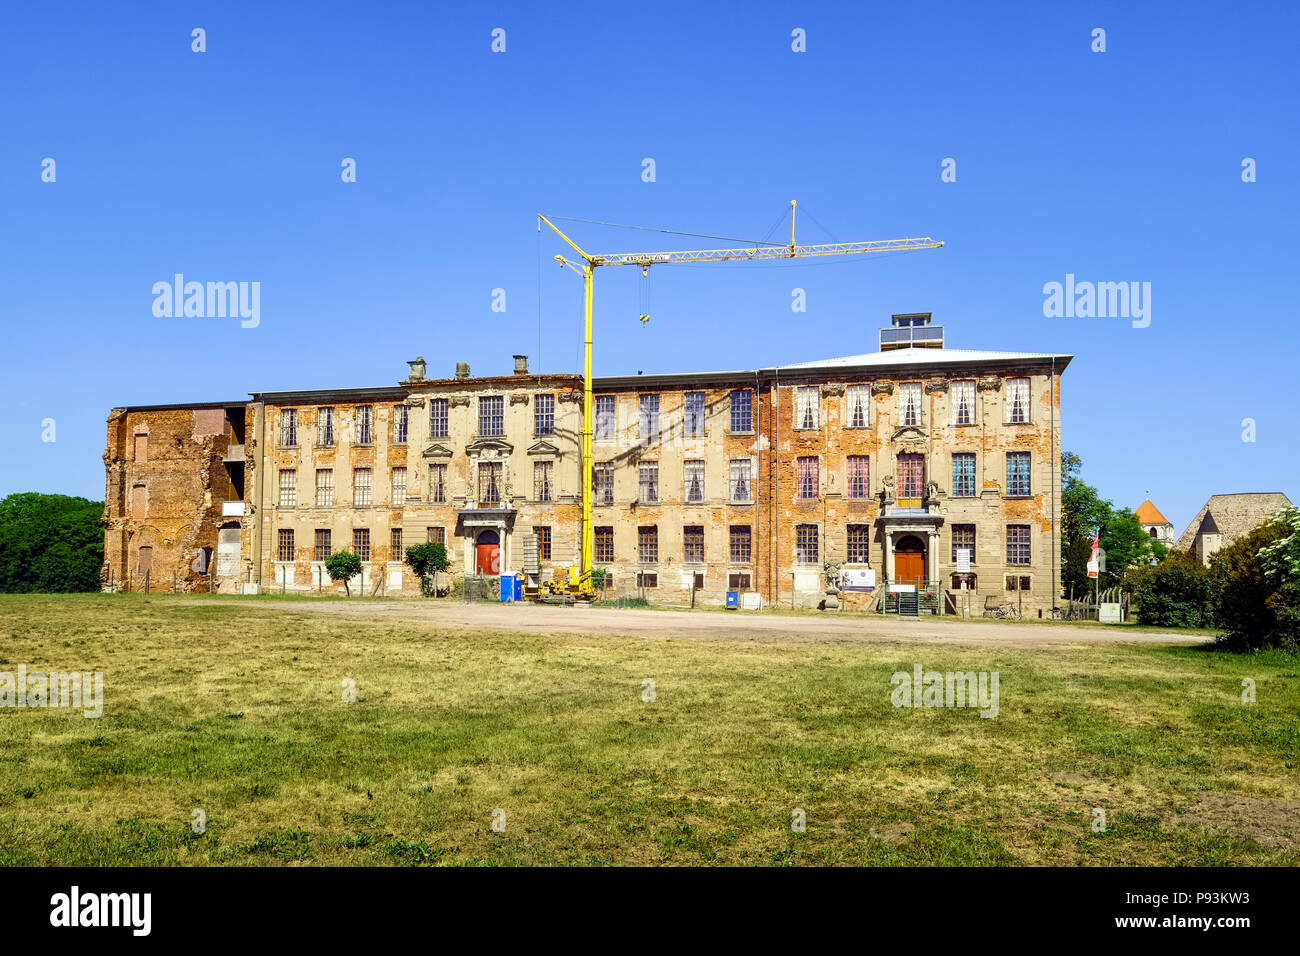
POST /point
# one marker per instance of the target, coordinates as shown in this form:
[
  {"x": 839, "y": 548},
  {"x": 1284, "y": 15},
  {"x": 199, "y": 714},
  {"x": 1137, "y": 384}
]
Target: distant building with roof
[
  {"x": 1155, "y": 524},
  {"x": 1225, "y": 518}
]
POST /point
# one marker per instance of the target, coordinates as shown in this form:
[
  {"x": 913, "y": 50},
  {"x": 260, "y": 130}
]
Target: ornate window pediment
[
  {"x": 435, "y": 450},
  {"x": 545, "y": 449},
  {"x": 489, "y": 448},
  {"x": 908, "y": 436}
]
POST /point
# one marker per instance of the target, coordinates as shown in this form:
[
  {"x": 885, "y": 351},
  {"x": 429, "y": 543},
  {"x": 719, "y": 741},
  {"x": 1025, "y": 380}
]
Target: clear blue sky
[{"x": 225, "y": 166}]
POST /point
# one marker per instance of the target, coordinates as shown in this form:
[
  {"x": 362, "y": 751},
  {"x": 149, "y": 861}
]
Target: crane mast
[{"x": 586, "y": 266}]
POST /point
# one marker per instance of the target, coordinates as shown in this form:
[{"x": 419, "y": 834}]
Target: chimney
[
  {"x": 521, "y": 364},
  {"x": 416, "y": 367},
  {"x": 462, "y": 369}
]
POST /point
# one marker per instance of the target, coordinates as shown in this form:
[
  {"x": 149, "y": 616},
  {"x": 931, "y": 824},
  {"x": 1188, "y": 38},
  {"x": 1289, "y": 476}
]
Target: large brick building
[{"x": 854, "y": 471}]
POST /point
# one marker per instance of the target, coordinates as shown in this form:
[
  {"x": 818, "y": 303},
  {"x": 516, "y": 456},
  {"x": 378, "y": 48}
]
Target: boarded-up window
[
  {"x": 209, "y": 421},
  {"x": 141, "y": 448},
  {"x": 139, "y": 502},
  {"x": 228, "y": 551},
  {"x": 145, "y": 564}
]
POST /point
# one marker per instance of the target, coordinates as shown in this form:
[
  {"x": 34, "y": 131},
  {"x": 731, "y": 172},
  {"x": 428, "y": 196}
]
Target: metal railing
[{"x": 911, "y": 335}]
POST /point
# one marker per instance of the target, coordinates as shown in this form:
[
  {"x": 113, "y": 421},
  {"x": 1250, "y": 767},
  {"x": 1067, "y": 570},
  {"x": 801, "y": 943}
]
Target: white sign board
[
  {"x": 902, "y": 588},
  {"x": 1092, "y": 569},
  {"x": 963, "y": 560},
  {"x": 1110, "y": 614}
]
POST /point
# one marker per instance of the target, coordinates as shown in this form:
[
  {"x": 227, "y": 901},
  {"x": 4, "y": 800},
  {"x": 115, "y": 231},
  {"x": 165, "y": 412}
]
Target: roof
[
  {"x": 1148, "y": 513},
  {"x": 1232, "y": 516}
]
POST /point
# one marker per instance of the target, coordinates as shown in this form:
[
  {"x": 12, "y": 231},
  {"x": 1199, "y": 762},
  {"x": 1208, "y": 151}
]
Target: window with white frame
[
  {"x": 742, "y": 410},
  {"x": 602, "y": 480},
  {"x": 858, "y": 404},
  {"x": 365, "y": 423},
  {"x": 604, "y": 417},
  {"x": 859, "y": 479},
  {"x": 909, "y": 403},
  {"x": 1018, "y": 544},
  {"x": 805, "y": 544},
  {"x": 648, "y": 482},
  {"x": 324, "y": 487},
  {"x": 288, "y": 488},
  {"x": 693, "y": 544},
  {"x": 963, "y": 474},
  {"x": 693, "y": 414},
  {"x": 543, "y": 472},
  {"x": 399, "y": 487},
  {"x": 362, "y": 487},
  {"x": 742, "y": 488},
  {"x": 544, "y": 413},
  {"x": 693, "y": 469},
  {"x": 491, "y": 415},
  {"x": 1018, "y": 401},
  {"x": 401, "y": 419},
  {"x": 1018, "y": 474},
  {"x": 649, "y": 424},
  {"x": 438, "y": 484},
  {"x": 288, "y": 427},
  {"x": 807, "y": 407},
  {"x": 807, "y": 474},
  {"x": 438, "y": 418},
  {"x": 325, "y": 427},
  {"x": 963, "y": 403},
  {"x": 647, "y": 544}
]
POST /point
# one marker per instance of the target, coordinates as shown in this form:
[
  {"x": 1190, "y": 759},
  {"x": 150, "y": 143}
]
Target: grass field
[{"x": 236, "y": 707}]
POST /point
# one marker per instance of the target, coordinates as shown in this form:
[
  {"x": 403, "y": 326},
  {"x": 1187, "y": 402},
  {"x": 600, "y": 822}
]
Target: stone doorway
[
  {"x": 909, "y": 561},
  {"x": 487, "y": 553}
]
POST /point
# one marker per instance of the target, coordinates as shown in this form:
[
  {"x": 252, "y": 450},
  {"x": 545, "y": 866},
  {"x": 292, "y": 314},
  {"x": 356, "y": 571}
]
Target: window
[
  {"x": 963, "y": 403},
  {"x": 1018, "y": 401},
  {"x": 284, "y": 545},
  {"x": 909, "y": 403},
  {"x": 741, "y": 550},
  {"x": 543, "y": 533},
  {"x": 911, "y": 475},
  {"x": 288, "y": 427},
  {"x": 1018, "y": 582},
  {"x": 438, "y": 484},
  {"x": 438, "y": 418},
  {"x": 144, "y": 560},
  {"x": 647, "y": 579},
  {"x": 362, "y": 486},
  {"x": 399, "y": 487},
  {"x": 325, "y": 427},
  {"x": 693, "y": 544},
  {"x": 489, "y": 483},
  {"x": 141, "y": 449},
  {"x": 322, "y": 549},
  {"x": 605, "y": 543},
  {"x": 324, "y": 487},
  {"x": 435, "y": 536},
  {"x": 361, "y": 543},
  {"x": 742, "y": 410},
  {"x": 1018, "y": 474},
  {"x": 963, "y": 475},
  {"x": 647, "y": 544},
  {"x": 602, "y": 480},
  {"x": 741, "y": 486},
  {"x": 288, "y": 488},
  {"x": 542, "y": 470},
  {"x": 693, "y": 414},
  {"x": 738, "y": 581},
  {"x": 604, "y": 417},
  {"x": 365, "y": 419},
  {"x": 491, "y": 415},
  {"x": 694, "y": 471},
  {"x": 648, "y": 482},
  {"x": 401, "y": 419},
  {"x": 139, "y": 501},
  {"x": 649, "y": 428},
  {"x": 805, "y": 543},
  {"x": 807, "y": 474},
  {"x": 859, "y": 408},
  {"x": 859, "y": 476},
  {"x": 544, "y": 414},
  {"x": 806, "y": 407},
  {"x": 395, "y": 545},
  {"x": 963, "y": 539},
  {"x": 859, "y": 539},
  {"x": 1017, "y": 544}
]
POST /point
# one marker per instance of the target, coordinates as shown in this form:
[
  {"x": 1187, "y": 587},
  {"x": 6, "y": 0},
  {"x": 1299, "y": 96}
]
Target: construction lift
[{"x": 575, "y": 582}]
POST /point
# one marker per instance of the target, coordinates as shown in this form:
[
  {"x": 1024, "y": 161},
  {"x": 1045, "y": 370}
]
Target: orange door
[
  {"x": 909, "y": 562},
  {"x": 487, "y": 554}
]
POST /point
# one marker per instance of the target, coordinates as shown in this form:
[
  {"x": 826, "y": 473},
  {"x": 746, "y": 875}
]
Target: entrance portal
[
  {"x": 487, "y": 553},
  {"x": 909, "y": 561}
]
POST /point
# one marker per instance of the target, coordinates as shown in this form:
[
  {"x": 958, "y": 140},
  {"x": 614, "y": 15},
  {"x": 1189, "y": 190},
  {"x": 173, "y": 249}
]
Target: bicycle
[{"x": 1007, "y": 612}]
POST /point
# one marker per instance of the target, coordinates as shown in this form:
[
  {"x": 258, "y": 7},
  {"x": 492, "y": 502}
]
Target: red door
[
  {"x": 909, "y": 562},
  {"x": 487, "y": 554}
]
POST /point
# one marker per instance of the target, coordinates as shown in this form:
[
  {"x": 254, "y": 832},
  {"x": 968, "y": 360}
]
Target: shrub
[
  {"x": 426, "y": 560},
  {"x": 342, "y": 565},
  {"x": 1252, "y": 608},
  {"x": 1175, "y": 593}
]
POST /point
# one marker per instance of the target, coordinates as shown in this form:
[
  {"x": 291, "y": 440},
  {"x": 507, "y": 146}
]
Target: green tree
[
  {"x": 1083, "y": 512},
  {"x": 1257, "y": 587},
  {"x": 50, "y": 543},
  {"x": 1127, "y": 546},
  {"x": 1177, "y": 592},
  {"x": 426, "y": 560},
  {"x": 342, "y": 565}
]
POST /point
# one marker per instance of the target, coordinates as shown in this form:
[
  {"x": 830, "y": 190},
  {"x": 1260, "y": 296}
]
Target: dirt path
[{"x": 734, "y": 625}]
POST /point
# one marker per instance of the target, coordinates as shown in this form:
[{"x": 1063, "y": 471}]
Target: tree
[
  {"x": 342, "y": 565},
  {"x": 50, "y": 543},
  {"x": 1257, "y": 593},
  {"x": 1126, "y": 545},
  {"x": 426, "y": 560},
  {"x": 1177, "y": 592},
  {"x": 1083, "y": 512}
]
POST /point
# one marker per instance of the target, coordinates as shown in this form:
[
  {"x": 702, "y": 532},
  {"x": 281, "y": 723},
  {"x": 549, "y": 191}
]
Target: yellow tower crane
[{"x": 579, "y": 584}]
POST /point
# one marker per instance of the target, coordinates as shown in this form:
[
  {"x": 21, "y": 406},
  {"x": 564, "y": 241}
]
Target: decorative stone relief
[
  {"x": 882, "y": 388},
  {"x": 519, "y": 398},
  {"x": 991, "y": 383},
  {"x": 570, "y": 396},
  {"x": 457, "y": 400},
  {"x": 936, "y": 385},
  {"x": 835, "y": 388}
]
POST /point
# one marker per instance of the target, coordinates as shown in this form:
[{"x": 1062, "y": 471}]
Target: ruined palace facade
[{"x": 917, "y": 467}]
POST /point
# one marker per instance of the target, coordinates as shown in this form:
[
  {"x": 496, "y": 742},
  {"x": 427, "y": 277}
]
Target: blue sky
[{"x": 225, "y": 166}]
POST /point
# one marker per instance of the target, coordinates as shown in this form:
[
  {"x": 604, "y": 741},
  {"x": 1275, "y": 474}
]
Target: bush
[
  {"x": 426, "y": 560},
  {"x": 1252, "y": 608},
  {"x": 342, "y": 565},
  {"x": 1175, "y": 593},
  {"x": 50, "y": 543}
]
